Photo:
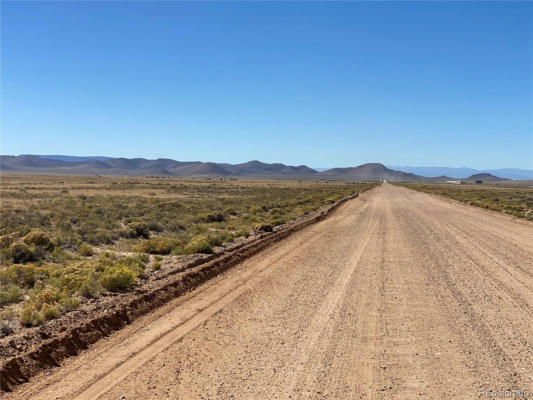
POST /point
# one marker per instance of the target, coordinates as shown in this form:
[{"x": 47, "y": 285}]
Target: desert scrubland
[{"x": 393, "y": 294}]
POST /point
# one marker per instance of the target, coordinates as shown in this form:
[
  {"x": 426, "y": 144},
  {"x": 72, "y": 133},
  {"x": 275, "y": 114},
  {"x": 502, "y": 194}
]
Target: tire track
[
  {"x": 474, "y": 301},
  {"x": 302, "y": 381}
]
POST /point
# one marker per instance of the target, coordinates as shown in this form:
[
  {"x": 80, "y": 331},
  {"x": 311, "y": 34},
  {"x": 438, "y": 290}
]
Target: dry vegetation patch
[
  {"x": 64, "y": 240},
  {"x": 513, "y": 200}
]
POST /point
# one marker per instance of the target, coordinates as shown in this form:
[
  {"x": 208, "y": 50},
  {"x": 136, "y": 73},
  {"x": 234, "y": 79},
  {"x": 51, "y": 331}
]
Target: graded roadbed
[{"x": 68, "y": 337}]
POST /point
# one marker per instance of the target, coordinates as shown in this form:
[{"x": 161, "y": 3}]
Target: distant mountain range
[
  {"x": 369, "y": 172},
  {"x": 60, "y": 164},
  {"x": 72, "y": 158},
  {"x": 463, "y": 172}
]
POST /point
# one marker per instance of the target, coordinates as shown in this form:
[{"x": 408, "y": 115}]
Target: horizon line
[{"x": 388, "y": 165}]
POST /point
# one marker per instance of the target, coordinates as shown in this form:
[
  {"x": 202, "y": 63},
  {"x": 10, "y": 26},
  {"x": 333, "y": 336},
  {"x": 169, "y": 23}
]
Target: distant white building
[{"x": 454, "y": 182}]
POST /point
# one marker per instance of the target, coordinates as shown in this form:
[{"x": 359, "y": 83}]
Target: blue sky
[{"x": 324, "y": 84}]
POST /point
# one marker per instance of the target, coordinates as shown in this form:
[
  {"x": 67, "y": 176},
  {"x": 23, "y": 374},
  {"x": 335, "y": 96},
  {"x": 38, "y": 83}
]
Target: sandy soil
[{"x": 397, "y": 295}]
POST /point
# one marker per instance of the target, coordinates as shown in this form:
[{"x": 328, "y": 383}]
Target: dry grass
[{"x": 509, "y": 199}]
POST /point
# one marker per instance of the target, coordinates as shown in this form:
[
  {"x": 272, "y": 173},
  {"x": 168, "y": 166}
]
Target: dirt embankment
[{"x": 29, "y": 352}]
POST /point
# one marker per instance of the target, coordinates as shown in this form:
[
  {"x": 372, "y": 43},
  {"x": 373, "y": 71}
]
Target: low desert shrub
[
  {"x": 218, "y": 238},
  {"x": 21, "y": 253},
  {"x": 68, "y": 304},
  {"x": 100, "y": 237},
  {"x": 139, "y": 230},
  {"x": 118, "y": 277},
  {"x": 254, "y": 209},
  {"x": 216, "y": 217},
  {"x": 10, "y": 294},
  {"x": 158, "y": 245},
  {"x": 46, "y": 296},
  {"x": 30, "y": 316},
  {"x": 85, "y": 250},
  {"x": 38, "y": 238},
  {"x": 241, "y": 233},
  {"x": 7, "y": 240},
  {"x": 198, "y": 244},
  {"x": 135, "y": 263},
  {"x": 48, "y": 311},
  {"x": 90, "y": 288},
  {"x": 212, "y": 217},
  {"x": 5, "y": 257},
  {"x": 21, "y": 275},
  {"x": 300, "y": 211},
  {"x": 155, "y": 226},
  {"x": 59, "y": 256}
]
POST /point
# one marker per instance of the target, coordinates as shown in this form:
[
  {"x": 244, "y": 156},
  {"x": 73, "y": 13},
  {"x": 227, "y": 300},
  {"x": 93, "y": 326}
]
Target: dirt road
[{"x": 397, "y": 295}]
